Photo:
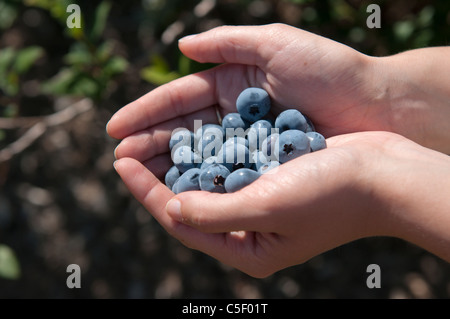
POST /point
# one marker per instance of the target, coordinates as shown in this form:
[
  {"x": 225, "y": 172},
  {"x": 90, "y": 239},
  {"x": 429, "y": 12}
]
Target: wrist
[
  {"x": 416, "y": 104},
  {"x": 412, "y": 193}
]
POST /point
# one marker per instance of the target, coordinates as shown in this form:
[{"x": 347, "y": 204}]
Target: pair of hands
[{"x": 370, "y": 181}]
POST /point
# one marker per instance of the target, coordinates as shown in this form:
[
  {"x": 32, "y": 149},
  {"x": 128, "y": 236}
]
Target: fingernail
[
  {"x": 114, "y": 165},
  {"x": 186, "y": 38},
  {"x": 173, "y": 209},
  {"x": 115, "y": 150}
]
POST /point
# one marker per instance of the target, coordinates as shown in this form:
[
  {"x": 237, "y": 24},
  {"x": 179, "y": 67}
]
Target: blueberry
[
  {"x": 239, "y": 179},
  {"x": 210, "y": 144},
  {"x": 292, "y": 144},
  {"x": 291, "y": 120},
  {"x": 184, "y": 158},
  {"x": 175, "y": 186},
  {"x": 234, "y": 156},
  {"x": 236, "y": 140},
  {"x": 234, "y": 120},
  {"x": 171, "y": 176},
  {"x": 208, "y": 129},
  {"x": 212, "y": 178},
  {"x": 270, "y": 147},
  {"x": 257, "y": 133},
  {"x": 181, "y": 137},
  {"x": 208, "y": 162},
  {"x": 189, "y": 181},
  {"x": 258, "y": 159},
  {"x": 253, "y": 104},
  {"x": 268, "y": 166},
  {"x": 310, "y": 125},
  {"x": 317, "y": 141}
]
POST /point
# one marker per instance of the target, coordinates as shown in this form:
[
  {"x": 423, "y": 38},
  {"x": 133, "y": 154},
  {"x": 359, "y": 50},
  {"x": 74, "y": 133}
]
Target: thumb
[
  {"x": 218, "y": 213},
  {"x": 252, "y": 45}
]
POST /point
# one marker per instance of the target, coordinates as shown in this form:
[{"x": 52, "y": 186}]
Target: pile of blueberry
[{"x": 225, "y": 158}]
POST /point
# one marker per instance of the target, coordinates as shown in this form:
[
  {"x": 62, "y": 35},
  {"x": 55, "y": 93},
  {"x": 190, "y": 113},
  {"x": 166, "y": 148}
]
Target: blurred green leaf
[
  {"x": 403, "y": 30},
  {"x": 157, "y": 77},
  {"x": 60, "y": 83},
  {"x": 78, "y": 55},
  {"x": 9, "y": 265},
  {"x": 115, "y": 66},
  {"x": 184, "y": 65},
  {"x": 101, "y": 17},
  {"x": 8, "y": 14},
  {"x": 425, "y": 17},
  {"x": 158, "y": 72},
  {"x": 85, "y": 86},
  {"x": 6, "y": 57},
  {"x": 104, "y": 51},
  {"x": 10, "y": 110},
  {"x": 26, "y": 58}
]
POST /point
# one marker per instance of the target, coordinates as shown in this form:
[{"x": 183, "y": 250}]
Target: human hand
[
  {"x": 324, "y": 79},
  {"x": 335, "y": 90},
  {"x": 363, "y": 184}
]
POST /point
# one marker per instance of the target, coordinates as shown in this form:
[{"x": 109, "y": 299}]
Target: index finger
[{"x": 179, "y": 97}]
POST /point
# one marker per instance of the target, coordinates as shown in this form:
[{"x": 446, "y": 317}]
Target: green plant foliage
[
  {"x": 8, "y": 13},
  {"x": 101, "y": 17},
  {"x": 88, "y": 72},
  {"x": 14, "y": 63},
  {"x": 9, "y": 265},
  {"x": 90, "y": 63},
  {"x": 158, "y": 72}
]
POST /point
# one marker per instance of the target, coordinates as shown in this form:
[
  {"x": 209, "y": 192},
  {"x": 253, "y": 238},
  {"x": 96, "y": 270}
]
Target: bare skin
[{"x": 384, "y": 172}]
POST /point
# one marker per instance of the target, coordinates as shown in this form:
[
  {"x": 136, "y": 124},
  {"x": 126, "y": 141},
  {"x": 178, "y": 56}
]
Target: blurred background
[{"x": 62, "y": 203}]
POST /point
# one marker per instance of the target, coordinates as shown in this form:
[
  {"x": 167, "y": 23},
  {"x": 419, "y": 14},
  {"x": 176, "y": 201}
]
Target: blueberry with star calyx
[
  {"x": 212, "y": 178},
  {"x": 253, "y": 104},
  {"x": 292, "y": 144}
]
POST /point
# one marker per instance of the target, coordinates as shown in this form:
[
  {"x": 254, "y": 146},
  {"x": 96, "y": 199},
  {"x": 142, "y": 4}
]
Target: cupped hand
[
  {"x": 312, "y": 204},
  {"x": 326, "y": 80},
  {"x": 359, "y": 186}
]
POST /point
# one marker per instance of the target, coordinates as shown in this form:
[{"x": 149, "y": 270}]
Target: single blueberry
[
  {"x": 236, "y": 140},
  {"x": 291, "y": 120},
  {"x": 268, "y": 166},
  {"x": 209, "y": 144},
  {"x": 171, "y": 176},
  {"x": 240, "y": 178},
  {"x": 189, "y": 181},
  {"x": 270, "y": 147},
  {"x": 208, "y": 129},
  {"x": 184, "y": 158},
  {"x": 208, "y": 162},
  {"x": 181, "y": 137},
  {"x": 317, "y": 141},
  {"x": 234, "y": 156},
  {"x": 258, "y": 159},
  {"x": 257, "y": 133},
  {"x": 234, "y": 121},
  {"x": 253, "y": 104},
  {"x": 310, "y": 125},
  {"x": 292, "y": 144},
  {"x": 212, "y": 178}
]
